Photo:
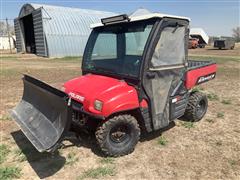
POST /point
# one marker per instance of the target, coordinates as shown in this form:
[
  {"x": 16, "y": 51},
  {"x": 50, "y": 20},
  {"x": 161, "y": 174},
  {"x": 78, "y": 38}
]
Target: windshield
[{"x": 117, "y": 49}]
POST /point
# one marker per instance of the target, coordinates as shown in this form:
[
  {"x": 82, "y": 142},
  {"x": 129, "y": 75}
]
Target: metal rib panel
[
  {"x": 19, "y": 38},
  {"x": 38, "y": 33}
]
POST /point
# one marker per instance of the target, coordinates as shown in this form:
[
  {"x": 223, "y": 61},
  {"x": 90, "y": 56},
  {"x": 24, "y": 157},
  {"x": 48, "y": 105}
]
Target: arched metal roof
[
  {"x": 66, "y": 29},
  {"x": 69, "y": 21}
]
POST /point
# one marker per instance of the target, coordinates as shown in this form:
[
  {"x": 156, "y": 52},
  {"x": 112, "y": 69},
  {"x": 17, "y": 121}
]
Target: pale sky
[{"x": 216, "y": 17}]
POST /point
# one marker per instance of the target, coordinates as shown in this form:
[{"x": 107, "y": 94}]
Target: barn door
[
  {"x": 18, "y": 33},
  {"x": 40, "y": 40}
]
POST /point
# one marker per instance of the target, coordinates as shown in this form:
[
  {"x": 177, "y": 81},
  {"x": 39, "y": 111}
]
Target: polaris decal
[
  {"x": 76, "y": 96},
  {"x": 206, "y": 78}
]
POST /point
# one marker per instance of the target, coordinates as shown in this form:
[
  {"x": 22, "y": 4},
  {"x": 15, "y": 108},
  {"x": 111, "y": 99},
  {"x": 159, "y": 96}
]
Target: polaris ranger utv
[{"x": 136, "y": 78}]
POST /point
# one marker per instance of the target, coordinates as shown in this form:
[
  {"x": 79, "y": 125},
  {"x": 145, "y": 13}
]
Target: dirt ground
[{"x": 209, "y": 149}]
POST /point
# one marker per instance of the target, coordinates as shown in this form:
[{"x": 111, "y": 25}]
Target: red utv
[{"x": 136, "y": 78}]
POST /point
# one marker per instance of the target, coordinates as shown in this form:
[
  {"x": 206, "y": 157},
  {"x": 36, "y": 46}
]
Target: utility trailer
[
  {"x": 224, "y": 44},
  {"x": 136, "y": 78}
]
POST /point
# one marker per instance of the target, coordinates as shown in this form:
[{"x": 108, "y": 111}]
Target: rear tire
[
  {"x": 118, "y": 136},
  {"x": 196, "y": 107}
]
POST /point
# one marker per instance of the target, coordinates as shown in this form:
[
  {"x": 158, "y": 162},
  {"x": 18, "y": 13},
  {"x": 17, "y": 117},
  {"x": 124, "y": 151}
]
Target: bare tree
[
  {"x": 236, "y": 34},
  {"x": 3, "y": 29}
]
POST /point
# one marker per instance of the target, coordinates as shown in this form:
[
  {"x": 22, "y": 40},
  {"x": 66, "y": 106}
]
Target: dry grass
[
  {"x": 226, "y": 101},
  {"x": 220, "y": 115},
  {"x": 107, "y": 160},
  {"x": 4, "y": 151},
  {"x": 210, "y": 150},
  {"x": 71, "y": 158},
  {"x": 188, "y": 125},
  {"x": 162, "y": 141},
  {"x": 100, "y": 172}
]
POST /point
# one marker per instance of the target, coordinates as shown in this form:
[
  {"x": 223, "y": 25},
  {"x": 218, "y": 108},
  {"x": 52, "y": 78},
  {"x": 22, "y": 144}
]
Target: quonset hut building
[{"x": 54, "y": 31}]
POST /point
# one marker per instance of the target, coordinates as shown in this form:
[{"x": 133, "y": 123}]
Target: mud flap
[{"x": 43, "y": 114}]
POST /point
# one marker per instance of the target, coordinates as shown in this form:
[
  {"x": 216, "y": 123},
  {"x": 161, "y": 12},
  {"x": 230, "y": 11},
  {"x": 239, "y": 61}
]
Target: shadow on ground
[
  {"x": 89, "y": 141},
  {"x": 149, "y": 136},
  {"x": 44, "y": 164},
  {"x": 47, "y": 164},
  {"x": 83, "y": 139}
]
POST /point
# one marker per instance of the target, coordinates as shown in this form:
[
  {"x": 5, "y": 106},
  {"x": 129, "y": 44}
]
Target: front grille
[{"x": 77, "y": 106}]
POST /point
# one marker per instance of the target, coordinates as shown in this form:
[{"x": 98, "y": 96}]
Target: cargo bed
[
  {"x": 199, "y": 72},
  {"x": 192, "y": 64}
]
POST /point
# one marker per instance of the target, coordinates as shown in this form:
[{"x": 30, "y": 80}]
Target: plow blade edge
[{"x": 43, "y": 114}]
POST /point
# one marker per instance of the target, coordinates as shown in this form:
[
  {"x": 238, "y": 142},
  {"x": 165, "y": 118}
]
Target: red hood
[{"x": 115, "y": 94}]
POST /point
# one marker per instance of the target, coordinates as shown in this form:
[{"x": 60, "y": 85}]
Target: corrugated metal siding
[
  {"x": 39, "y": 33},
  {"x": 65, "y": 30},
  {"x": 19, "y": 38}
]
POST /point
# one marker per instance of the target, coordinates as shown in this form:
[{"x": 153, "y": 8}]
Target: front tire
[
  {"x": 118, "y": 136},
  {"x": 196, "y": 107}
]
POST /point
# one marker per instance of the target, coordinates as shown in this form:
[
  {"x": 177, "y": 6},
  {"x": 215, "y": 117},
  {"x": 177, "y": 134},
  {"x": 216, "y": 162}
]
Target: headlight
[{"x": 98, "y": 105}]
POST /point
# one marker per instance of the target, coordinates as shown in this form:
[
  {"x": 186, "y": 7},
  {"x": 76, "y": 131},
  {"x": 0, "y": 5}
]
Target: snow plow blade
[{"x": 43, "y": 114}]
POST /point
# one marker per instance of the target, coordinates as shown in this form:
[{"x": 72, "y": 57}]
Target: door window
[
  {"x": 135, "y": 41},
  {"x": 170, "y": 48}
]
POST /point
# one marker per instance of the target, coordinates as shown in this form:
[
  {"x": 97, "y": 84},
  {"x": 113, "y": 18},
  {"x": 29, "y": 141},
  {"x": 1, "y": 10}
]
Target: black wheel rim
[
  {"x": 120, "y": 133},
  {"x": 201, "y": 108}
]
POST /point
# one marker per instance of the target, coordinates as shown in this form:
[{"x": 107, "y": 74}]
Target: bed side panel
[{"x": 200, "y": 75}]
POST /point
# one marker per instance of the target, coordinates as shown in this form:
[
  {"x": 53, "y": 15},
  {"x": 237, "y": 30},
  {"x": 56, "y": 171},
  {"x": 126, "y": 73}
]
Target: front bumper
[{"x": 79, "y": 107}]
